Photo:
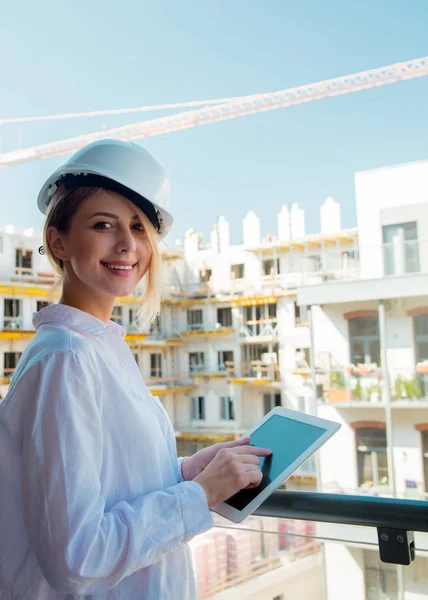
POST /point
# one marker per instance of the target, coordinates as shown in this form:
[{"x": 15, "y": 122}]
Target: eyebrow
[{"x": 111, "y": 215}]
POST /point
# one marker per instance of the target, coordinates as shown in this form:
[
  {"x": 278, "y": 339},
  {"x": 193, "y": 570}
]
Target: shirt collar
[{"x": 76, "y": 319}]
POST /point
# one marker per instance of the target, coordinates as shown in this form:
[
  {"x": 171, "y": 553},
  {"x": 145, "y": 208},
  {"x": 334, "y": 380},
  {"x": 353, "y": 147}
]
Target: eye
[
  {"x": 102, "y": 225},
  {"x": 138, "y": 226}
]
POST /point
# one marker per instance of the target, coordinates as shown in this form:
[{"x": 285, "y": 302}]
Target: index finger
[{"x": 255, "y": 450}]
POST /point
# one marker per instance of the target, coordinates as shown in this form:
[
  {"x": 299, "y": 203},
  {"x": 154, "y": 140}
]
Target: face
[{"x": 106, "y": 251}]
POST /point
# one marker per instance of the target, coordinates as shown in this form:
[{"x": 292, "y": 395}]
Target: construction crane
[{"x": 231, "y": 109}]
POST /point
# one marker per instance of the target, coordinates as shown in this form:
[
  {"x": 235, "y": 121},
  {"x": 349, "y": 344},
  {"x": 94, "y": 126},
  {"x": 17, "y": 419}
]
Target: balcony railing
[
  {"x": 253, "y": 369},
  {"x": 12, "y": 322},
  {"x": 296, "y": 541},
  {"x": 261, "y": 328},
  {"x": 365, "y": 383},
  {"x": 7, "y": 375},
  {"x": 401, "y": 256},
  {"x": 174, "y": 380},
  {"x": 26, "y": 275}
]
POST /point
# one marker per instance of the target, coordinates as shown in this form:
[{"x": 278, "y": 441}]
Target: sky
[{"x": 58, "y": 57}]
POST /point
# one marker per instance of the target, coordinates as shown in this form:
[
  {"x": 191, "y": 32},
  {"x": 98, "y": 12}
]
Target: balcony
[
  {"x": 263, "y": 330},
  {"x": 364, "y": 386},
  {"x": 254, "y": 372},
  {"x": 197, "y": 370},
  {"x": 172, "y": 384},
  {"x": 401, "y": 256},
  {"x": 28, "y": 276},
  {"x": 201, "y": 330}
]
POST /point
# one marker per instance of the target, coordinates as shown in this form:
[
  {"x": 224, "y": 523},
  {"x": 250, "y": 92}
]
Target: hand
[
  {"x": 191, "y": 466},
  {"x": 231, "y": 470}
]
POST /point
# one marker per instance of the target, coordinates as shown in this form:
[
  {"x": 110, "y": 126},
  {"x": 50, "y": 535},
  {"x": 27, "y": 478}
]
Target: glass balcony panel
[{"x": 268, "y": 558}]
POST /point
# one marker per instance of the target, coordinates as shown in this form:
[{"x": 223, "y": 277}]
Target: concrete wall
[{"x": 392, "y": 195}]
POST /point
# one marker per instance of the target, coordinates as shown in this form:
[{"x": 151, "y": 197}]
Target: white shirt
[{"x": 92, "y": 502}]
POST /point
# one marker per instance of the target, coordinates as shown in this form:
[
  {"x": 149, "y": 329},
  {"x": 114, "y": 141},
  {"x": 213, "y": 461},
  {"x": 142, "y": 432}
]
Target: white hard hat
[{"x": 123, "y": 167}]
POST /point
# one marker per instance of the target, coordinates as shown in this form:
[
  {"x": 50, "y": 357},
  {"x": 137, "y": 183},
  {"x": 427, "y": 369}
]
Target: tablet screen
[{"x": 287, "y": 439}]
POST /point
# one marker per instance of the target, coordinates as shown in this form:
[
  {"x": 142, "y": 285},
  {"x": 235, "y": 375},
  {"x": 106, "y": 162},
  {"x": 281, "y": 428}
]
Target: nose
[{"x": 125, "y": 241}]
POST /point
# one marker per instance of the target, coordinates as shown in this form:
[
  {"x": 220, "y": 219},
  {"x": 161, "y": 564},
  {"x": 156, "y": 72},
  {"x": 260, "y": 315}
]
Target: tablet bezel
[{"x": 237, "y": 516}]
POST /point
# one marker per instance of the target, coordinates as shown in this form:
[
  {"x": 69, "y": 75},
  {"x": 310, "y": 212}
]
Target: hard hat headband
[{"x": 73, "y": 181}]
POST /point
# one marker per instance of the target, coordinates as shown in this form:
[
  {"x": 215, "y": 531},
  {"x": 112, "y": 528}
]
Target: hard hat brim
[{"x": 50, "y": 186}]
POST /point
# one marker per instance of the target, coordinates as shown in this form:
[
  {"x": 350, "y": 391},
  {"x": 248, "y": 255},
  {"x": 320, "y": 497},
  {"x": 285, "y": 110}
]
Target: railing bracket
[{"x": 396, "y": 546}]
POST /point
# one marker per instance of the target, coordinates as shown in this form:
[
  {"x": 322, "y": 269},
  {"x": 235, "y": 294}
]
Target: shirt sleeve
[
  {"x": 80, "y": 546},
  {"x": 179, "y": 466}
]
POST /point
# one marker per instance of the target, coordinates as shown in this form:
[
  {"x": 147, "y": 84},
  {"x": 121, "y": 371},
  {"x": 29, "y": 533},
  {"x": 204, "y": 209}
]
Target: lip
[
  {"x": 119, "y": 272},
  {"x": 119, "y": 263}
]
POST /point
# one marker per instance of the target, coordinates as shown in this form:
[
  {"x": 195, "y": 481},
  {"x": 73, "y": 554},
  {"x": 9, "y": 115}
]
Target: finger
[
  {"x": 235, "y": 443},
  {"x": 255, "y": 476},
  {"x": 255, "y": 450},
  {"x": 249, "y": 459}
]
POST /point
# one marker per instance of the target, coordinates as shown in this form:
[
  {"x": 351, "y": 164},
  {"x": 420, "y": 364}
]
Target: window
[
  {"x": 227, "y": 410},
  {"x": 133, "y": 323},
  {"x": 259, "y": 361},
  {"x": 371, "y": 456},
  {"x": 237, "y": 271},
  {"x": 270, "y": 267},
  {"x": 116, "y": 315},
  {"x": 224, "y": 316},
  {"x": 196, "y": 362},
  {"x": 205, "y": 275},
  {"x": 400, "y": 248},
  {"x": 420, "y": 329},
  {"x": 270, "y": 401},
  {"x": 10, "y": 361},
  {"x": 271, "y": 310},
  {"x": 314, "y": 262},
  {"x": 300, "y": 314},
  {"x": 155, "y": 327},
  {"x": 303, "y": 358},
  {"x": 12, "y": 313},
  {"x": 23, "y": 261},
  {"x": 198, "y": 408},
  {"x": 425, "y": 456},
  {"x": 225, "y": 360},
  {"x": 42, "y": 304},
  {"x": 364, "y": 340},
  {"x": 260, "y": 319},
  {"x": 195, "y": 319},
  {"x": 156, "y": 365}
]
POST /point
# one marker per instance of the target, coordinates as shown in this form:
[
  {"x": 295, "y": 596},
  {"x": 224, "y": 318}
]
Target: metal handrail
[{"x": 369, "y": 511}]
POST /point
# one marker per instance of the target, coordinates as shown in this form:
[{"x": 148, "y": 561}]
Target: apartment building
[{"x": 370, "y": 349}]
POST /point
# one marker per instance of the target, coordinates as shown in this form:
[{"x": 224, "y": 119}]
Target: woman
[{"x": 93, "y": 500}]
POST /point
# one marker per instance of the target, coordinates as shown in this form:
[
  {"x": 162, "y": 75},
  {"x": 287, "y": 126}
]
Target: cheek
[
  {"x": 146, "y": 254},
  {"x": 88, "y": 250}
]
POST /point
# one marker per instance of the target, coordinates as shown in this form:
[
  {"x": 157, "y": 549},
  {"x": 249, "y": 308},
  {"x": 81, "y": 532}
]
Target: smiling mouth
[{"x": 122, "y": 270}]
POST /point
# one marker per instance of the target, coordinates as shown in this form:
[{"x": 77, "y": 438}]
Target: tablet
[{"x": 293, "y": 437}]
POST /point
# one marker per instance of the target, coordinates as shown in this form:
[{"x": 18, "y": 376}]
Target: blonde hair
[{"x": 61, "y": 210}]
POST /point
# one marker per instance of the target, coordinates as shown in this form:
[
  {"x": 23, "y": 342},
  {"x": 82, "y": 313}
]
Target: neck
[{"x": 97, "y": 305}]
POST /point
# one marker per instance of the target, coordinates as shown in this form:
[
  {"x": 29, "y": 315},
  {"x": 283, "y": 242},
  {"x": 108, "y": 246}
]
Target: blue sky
[{"x": 58, "y": 56}]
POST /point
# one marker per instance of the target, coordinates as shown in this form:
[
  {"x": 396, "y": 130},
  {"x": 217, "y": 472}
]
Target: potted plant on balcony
[
  {"x": 357, "y": 392},
  {"x": 407, "y": 388},
  {"x": 364, "y": 369},
  {"x": 338, "y": 391},
  {"x": 422, "y": 367}
]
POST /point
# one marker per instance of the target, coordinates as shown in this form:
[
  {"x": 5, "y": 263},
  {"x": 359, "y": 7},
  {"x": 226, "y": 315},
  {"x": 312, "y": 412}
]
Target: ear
[{"x": 56, "y": 243}]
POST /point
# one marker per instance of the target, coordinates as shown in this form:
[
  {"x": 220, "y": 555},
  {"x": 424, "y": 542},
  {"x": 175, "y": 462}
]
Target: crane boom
[{"x": 237, "y": 107}]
